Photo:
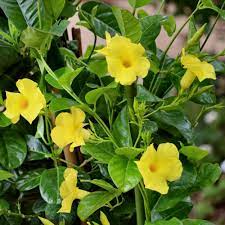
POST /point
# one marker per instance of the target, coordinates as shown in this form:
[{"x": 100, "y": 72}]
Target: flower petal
[
  {"x": 67, "y": 204},
  {"x": 104, "y": 219},
  {"x": 45, "y": 221},
  {"x": 167, "y": 150},
  {"x": 187, "y": 80},
  {"x": 81, "y": 193}
]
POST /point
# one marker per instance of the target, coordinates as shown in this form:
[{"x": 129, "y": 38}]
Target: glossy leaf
[
  {"x": 121, "y": 129},
  {"x": 29, "y": 180},
  {"x": 98, "y": 67},
  {"x": 4, "y": 175},
  {"x": 58, "y": 104},
  {"x": 103, "y": 152},
  {"x": 94, "y": 201},
  {"x": 54, "y": 8},
  {"x": 12, "y": 154},
  {"x": 193, "y": 152},
  {"x": 92, "y": 96},
  {"x": 102, "y": 184},
  {"x": 151, "y": 26},
  {"x": 196, "y": 222},
  {"x": 103, "y": 20},
  {"x": 124, "y": 173},
  {"x": 50, "y": 182},
  {"x": 173, "y": 221},
  {"x": 4, "y": 121},
  {"x": 130, "y": 26},
  {"x": 129, "y": 152},
  {"x": 138, "y": 3},
  {"x": 144, "y": 95},
  {"x": 169, "y": 24}
]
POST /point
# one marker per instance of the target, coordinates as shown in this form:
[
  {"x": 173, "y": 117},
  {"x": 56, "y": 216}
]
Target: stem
[
  {"x": 92, "y": 50},
  {"x": 160, "y": 7},
  {"x": 130, "y": 93},
  {"x": 139, "y": 206},
  {"x": 9, "y": 213},
  {"x": 212, "y": 28}
]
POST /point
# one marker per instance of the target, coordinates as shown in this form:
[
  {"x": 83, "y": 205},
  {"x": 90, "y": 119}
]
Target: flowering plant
[{"x": 101, "y": 138}]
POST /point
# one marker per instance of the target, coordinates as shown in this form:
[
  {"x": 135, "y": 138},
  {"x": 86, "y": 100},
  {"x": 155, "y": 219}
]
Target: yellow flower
[
  {"x": 103, "y": 219},
  {"x": 45, "y": 221},
  {"x": 158, "y": 167},
  {"x": 195, "y": 68},
  {"x": 69, "y": 190},
  {"x": 69, "y": 129},
  {"x": 125, "y": 59},
  {"x": 28, "y": 103}
]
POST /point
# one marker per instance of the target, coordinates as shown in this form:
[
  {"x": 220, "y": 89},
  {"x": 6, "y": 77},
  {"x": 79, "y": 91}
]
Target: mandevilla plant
[{"x": 101, "y": 138}]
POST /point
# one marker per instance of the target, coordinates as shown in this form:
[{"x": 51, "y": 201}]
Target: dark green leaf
[
  {"x": 151, "y": 26},
  {"x": 4, "y": 121},
  {"x": 51, "y": 180},
  {"x": 103, "y": 20},
  {"x": 54, "y": 8},
  {"x": 193, "y": 152},
  {"x": 12, "y": 153},
  {"x": 121, "y": 129},
  {"x": 29, "y": 180},
  {"x": 130, "y": 26},
  {"x": 103, "y": 152},
  {"x": 169, "y": 24},
  {"x": 94, "y": 201},
  {"x": 144, "y": 95},
  {"x": 4, "y": 206},
  {"x": 124, "y": 173}
]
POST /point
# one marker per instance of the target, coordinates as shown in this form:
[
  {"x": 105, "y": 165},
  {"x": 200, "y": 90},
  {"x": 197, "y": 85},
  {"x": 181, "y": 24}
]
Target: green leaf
[
  {"x": 58, "y": 104},
  {"x": 169, "y": 24},
  {"x": 104, "y": 19},
  {"x": 174, "y": 119},
  {"x": 178, "y": 189},
  {"x": 151, "y": 26},
  {"x": 124, "y": 173},
  {"x": 92, "y": 96},
  {"x": 4, "y": 121},
  {"x": 37, "y": 39},
  {"x": 66, "y": 79},
  {"x": 103, "y": 152},
  {"x": 121, "y": 129},
  {"x": 94, "y": 201},
  {"x": 50, "y": 182},
  {"x": 29, "y": 180},
  {"x": 129, "y": 152},
  {"x": 208, "y": 174},
  {"x": 129, "y": 25},
  {"x": 208, "y": 4},
  {"x": 4, "y": 205},
  {"x": 196, "y": 222},
  {"x": 138, "y": 3},
  {"x": 59, "y": 27},
  {"x": 13, "y": 13},
  {"x": 173, "y": 221},
  {"x": 4, "y": 175},
  {"x": 193, "y": 152},
  {"x": 102, "y": 184},
  {"x": 40, "y": 128},
  {"x": 12, "y": 153},
  {"x": 195, "y": 48},
  {"x": 54, "y": 8},
  {"x": 145, "y": 96},
  {"x": 98, "y": 67},
  {"x": 36, "y": 149}
]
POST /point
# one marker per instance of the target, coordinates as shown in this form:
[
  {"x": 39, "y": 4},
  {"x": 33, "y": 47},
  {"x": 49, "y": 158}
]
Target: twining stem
[
  {"x": 83, "y": 105},
  {"x": 9, "y": 213},
  {"x": 160, "y": 7},
  {"x": 139, "y": 207}
]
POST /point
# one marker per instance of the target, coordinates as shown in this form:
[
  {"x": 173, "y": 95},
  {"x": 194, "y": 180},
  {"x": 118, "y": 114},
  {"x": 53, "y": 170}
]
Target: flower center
[
  {"x": 153, "y": 168},
  {"x": 24, "y": 104},
  {"x": 126, "y": 63}
]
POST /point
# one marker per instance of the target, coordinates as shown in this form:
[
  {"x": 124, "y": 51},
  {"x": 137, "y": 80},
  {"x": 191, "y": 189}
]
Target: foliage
[{"x": 122, "y": 118}]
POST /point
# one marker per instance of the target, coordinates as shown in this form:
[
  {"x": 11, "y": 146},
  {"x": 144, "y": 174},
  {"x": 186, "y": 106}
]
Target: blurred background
[{"x": 210, "y": 132}]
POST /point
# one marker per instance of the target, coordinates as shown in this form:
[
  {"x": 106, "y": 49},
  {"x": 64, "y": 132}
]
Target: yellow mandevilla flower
[
  {"x": 158, "y": 167},
  {"x": 69, "y": 190},
  {"x": 125, "y": 59},
  {"x": 195, "y": 68},
  {"x": 103, "y": 219},
  {"x": 28, "y": 103},
  {"x": 69, "y": 129}
]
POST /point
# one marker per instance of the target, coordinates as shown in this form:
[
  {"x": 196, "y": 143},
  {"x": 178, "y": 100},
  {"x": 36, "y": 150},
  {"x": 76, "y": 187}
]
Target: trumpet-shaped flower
[
  {"x": 69, "y": 129},
  {"x": 195, "y": 68},
  {"x": 69, "y": 190},
  {"x": 126, "y": 60},
  {"x": 103, "y": 218},
  {"x": 158, "y": 167},
  {"x": 28, "y": 103}
]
